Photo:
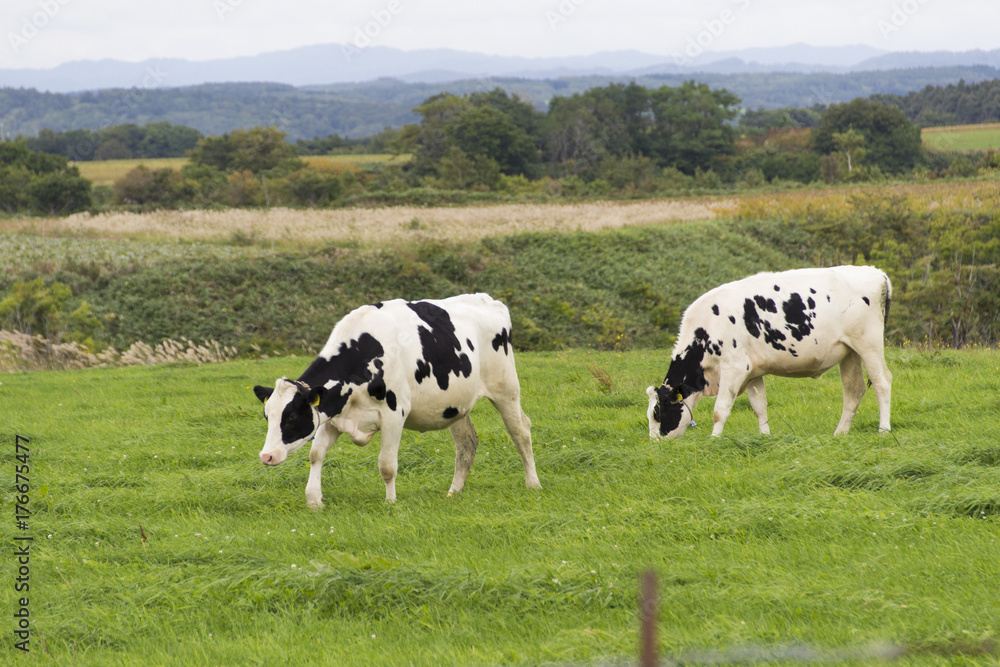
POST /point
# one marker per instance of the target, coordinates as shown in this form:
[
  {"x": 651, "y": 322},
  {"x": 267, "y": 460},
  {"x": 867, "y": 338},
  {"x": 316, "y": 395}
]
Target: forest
[
  {"x": 619, "y": 140},
  {"x": 363, "y": 109}
]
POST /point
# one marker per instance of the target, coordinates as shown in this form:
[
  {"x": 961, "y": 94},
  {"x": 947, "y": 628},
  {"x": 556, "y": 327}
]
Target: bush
[
  {"x": 160, "y": 188},
  {"x": 310, "y": 187}
]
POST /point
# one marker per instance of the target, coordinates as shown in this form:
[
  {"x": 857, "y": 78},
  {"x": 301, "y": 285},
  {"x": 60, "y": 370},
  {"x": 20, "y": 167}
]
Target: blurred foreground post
[{"x": 647, "y": 620}]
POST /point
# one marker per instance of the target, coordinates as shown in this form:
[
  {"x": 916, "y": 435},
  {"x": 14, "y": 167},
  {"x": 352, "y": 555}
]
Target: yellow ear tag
[
  {"x": 679, "y": 397},
  {"x": 315, "y": 401}
]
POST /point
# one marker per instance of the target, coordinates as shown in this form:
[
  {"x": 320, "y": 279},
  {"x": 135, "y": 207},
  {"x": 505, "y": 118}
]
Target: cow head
[
  {"x": 669, "y": 412},
  {"x": 292, "y": 411}
]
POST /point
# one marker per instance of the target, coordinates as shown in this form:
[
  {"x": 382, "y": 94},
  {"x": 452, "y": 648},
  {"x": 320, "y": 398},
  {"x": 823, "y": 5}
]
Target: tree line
[
  {"x": 363, "y": 109},
  {"x": 616, "y": 140}
]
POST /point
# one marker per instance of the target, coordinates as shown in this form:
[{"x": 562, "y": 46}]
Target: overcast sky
[{"x": 45, "y": 33}]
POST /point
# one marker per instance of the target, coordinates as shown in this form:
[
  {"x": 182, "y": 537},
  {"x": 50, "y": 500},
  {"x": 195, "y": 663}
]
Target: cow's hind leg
[
  {"x": 388, "y": 456},
  {"x": 466, "y": 442},
  {"x": 758, "y": 401},
  {"x": 519, "y": 427},
  {"x": 854, "y": 389},
  {"x": 881, "y": 379},
  {"x": 325, "y": 436}
]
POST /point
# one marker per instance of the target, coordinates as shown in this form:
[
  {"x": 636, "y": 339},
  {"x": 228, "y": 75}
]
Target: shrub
[{"x": 159, "y": 188}]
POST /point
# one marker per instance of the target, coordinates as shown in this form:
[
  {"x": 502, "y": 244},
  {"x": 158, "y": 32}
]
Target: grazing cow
[
  {"x": 797, "y": 323},
  {"x": 418, "y": 365}
]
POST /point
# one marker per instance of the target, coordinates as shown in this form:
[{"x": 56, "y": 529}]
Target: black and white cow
[
  {"x": 796, "y": 323},
  {"x": 418, "y": 365}
]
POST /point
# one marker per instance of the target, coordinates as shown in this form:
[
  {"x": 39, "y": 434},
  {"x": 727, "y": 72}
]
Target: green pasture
[
  {"x": 160, "y": 539},
  {"x": 962, "y": 137}
]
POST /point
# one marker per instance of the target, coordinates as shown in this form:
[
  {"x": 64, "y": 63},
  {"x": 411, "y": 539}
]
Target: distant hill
[
  {"x": 339, "y": 63},
  {"x": 363, "y": 109}
]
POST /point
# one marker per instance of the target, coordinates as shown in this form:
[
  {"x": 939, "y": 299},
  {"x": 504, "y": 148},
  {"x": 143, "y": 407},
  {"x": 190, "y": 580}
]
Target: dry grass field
[
  {"x": 370, "y": 226},
  {"x": 367, "y": 226},
  {"x": 106, "y": 172}
]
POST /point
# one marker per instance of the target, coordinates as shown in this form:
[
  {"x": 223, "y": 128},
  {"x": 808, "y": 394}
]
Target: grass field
[
  {"x": 962, "y": 137},
  {"x": 159, "y": 537},
  {"x": 106, "y": 172}
]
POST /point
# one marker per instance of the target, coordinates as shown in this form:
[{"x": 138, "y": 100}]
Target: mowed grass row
[{"x": 161, "y": 539}]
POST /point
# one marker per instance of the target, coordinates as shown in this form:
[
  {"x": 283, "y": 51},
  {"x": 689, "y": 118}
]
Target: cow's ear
[
  {"x": 316, "y": 395},
  {"x": 263, "y": 393}
]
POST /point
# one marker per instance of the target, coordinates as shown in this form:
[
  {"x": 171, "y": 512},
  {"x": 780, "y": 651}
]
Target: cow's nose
[{"x": 267, "y": 458}]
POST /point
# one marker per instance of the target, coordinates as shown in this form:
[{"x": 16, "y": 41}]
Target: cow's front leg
[
  {"x": 325, "y": 437},
  {"x": 388, "y": 456},
  {"x": 723, "y": 406}
]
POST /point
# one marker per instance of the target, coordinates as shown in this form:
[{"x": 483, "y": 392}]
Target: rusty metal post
[{"x": 647, "y": 620}]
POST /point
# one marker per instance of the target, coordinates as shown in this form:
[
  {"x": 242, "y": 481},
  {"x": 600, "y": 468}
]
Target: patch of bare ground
[{"x": 370, "y": 225}]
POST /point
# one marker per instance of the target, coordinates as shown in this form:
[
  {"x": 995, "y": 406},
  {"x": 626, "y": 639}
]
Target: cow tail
[{"x": 886, "y": 299}]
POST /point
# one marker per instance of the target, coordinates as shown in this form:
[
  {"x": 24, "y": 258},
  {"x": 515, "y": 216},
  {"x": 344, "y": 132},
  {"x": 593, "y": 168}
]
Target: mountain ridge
[{"x": 326, "y": 64}]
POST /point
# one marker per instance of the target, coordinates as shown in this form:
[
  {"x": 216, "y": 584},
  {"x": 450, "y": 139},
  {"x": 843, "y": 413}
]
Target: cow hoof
[{"x": 315, "y": 504}]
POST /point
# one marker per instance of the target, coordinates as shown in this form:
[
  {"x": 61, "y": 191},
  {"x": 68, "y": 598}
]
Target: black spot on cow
[
  {"x": 502, "y": 339},
  {"x": 715, "y": 309},
  {"x": 469, "y": 343},
  {"x": 811, "y": 303},
  {"x": 440, "y": 347},
  {"x": 376, "y": 389},
  {"x": 734, "y": 343},
  {"x": 356, "y": 363},
  {"x": 450, "y": 413},
  {"x": 777, "y": 289},
  {"x": 767, "y": 305},
  {"x": 756, "y": 325},
  {"x": 423, "y": 371},
  {"x": 828, "y": 298},
  {"x": 732, "y": 319},
  {"x": 378, "y": 305},
  {"x": 773, "y": 337},
  {"x": 867, "y": 302},
  {"x": 799, "y": 323},
  {"x": 812, "y": 291},
  {"x": 751, "y": 318}
]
